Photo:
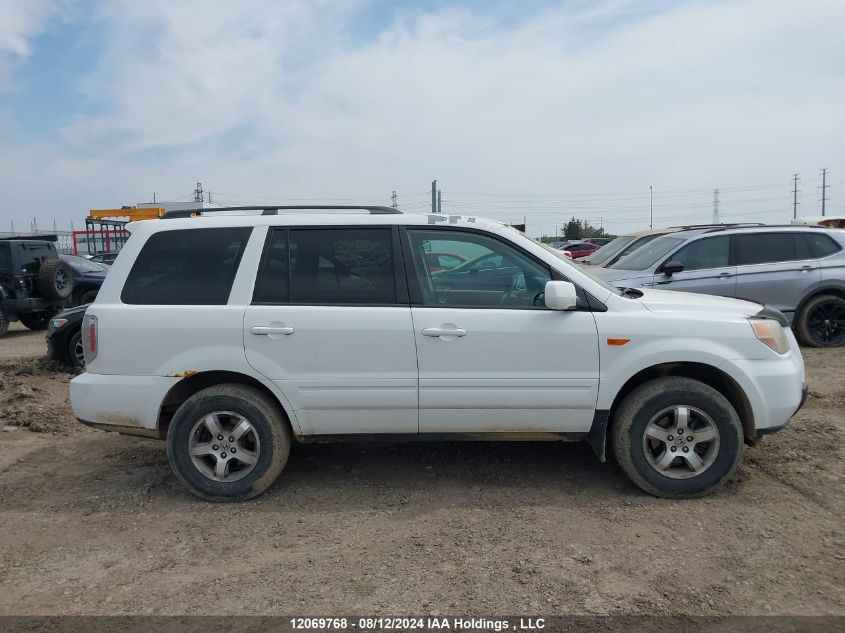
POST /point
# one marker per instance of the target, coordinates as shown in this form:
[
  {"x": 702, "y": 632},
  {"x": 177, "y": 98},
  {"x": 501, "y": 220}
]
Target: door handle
[
  {"x": 439, "y": 331},
  {"x": 725, "y": 275},
  {"x": 264, "y": 330},
  {"x": 806, "y": 269}
]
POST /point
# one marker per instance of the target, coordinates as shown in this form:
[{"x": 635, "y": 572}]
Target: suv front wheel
[
  {"x": 228, "y": 442},
  {"x": 677, "y": 438}
]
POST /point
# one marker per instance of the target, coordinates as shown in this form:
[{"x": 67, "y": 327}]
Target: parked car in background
[
  {"x": 601, "y": 241},
  {"x": 233, "y": 336},
  {"x": 106, "y": 259},
  {"x": 88, "y": 276},
  {"x": 624, "y": 245},
  {"x": 580, "y": 249},
  {"x": 34, "y": 282},
  {"x": 64, "y": 338},
  {"x": 558, "y": 246},
  {"x": 621, "y": 246},
  {"x": 798, "y": 270}
]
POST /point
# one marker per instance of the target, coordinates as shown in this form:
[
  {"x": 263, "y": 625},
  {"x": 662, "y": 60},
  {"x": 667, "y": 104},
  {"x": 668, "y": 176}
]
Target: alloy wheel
[
  {"x": 826, "y": 323},
  {"x": 224, "y": 446},
  {"x": 681, "y": 442}
]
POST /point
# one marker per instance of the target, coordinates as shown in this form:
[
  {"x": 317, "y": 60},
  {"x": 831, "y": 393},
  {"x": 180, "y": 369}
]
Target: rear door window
[
  {"x": 766, "y": 248},
  {"x": 186, "y": 267},
  {"x": 350, "y": 266}
]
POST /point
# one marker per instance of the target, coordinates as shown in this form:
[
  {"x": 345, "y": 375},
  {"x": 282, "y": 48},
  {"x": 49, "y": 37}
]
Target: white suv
[{"x": 235, "y": 333}]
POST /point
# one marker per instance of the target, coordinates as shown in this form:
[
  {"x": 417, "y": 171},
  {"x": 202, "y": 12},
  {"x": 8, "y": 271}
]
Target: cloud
[
  {"x": 355, "y": 99},
  {"x": 20, "y": 23}
]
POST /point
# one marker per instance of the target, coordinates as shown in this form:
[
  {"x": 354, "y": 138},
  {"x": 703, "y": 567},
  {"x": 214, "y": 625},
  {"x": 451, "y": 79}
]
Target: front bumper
[{"x": 805, "y": 390}]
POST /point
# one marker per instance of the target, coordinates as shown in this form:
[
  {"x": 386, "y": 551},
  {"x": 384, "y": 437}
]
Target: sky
[{"x": 535, "y": 109}]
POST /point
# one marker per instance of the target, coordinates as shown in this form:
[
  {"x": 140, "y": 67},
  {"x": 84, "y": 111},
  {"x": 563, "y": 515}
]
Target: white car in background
[{"x": 233, "y": 335}]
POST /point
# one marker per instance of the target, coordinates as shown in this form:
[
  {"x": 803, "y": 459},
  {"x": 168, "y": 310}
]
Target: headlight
[
  {"x": 771, "y": 334},
  {"x": 55, "y": 324}
]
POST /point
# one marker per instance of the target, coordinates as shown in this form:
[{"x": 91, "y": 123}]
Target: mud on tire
[
  {"x": 228, "y": 442},
  {"x": 663, "y": 463}
]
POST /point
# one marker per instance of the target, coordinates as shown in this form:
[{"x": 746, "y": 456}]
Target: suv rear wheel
[
  {"x": 677, "y": 438},
  {"x": 821, "y": 322},
  {"x": 228, "y": 442}
]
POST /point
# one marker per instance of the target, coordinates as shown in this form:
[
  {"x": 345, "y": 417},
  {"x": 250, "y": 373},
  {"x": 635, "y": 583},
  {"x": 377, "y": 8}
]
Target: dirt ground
[{"x": 94, "y": 523}]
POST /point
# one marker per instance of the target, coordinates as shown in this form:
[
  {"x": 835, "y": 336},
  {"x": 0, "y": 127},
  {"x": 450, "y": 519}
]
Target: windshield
[
  {"x": 82, "y": 265},
  {"x": 610, "y": 249},
  {"x": 647, "y": 255}
]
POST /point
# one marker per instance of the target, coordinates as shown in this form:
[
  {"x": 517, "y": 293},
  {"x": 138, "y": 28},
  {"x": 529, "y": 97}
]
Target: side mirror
[
  {"x": 560, "y": 295},
  {"x": 671, "y": 267}
]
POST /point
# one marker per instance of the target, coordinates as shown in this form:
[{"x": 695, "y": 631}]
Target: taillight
[{"x": 89, "y": 337}]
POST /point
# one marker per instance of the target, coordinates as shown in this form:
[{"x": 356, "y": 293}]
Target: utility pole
[
  {"x": 794, "y": 196},
  {"x": 154, "y": 197},
  {"x": 13, "y": 227},
  {"x": 434, "y": 196},
  {"x": 198, "y": 193},
  {"x": 439, "y": 201},
  {"x": 650, "y": 208},
  {"x": 393, "y": 203},
  {"x": 715, "y": 206},
  {"x": 825, "y": 186}
]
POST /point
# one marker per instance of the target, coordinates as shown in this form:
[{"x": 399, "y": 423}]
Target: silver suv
[{"x": 797, "y": 270}]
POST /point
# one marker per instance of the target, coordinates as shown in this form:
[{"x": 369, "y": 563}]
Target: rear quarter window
[
  {"x": 186, "y": 267},
  {"x": 821, "y": 245}
]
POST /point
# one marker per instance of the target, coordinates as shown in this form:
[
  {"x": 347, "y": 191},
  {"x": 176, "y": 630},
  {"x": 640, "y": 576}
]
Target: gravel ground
[{"x": 94, "y": 523}]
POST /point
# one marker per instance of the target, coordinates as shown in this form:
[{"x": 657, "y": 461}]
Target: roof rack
[{"x": 274, "y": 210}]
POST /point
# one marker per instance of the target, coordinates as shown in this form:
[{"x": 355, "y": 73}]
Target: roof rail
[
  {"x": 274, "y": 210},
  {"x": 729, "y": 225}
]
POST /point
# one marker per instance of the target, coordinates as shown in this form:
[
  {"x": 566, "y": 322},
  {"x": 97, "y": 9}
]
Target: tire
[
  {"x": 4, "y": 323},
  {"x": 661, "y": 402},
  {"x": 821, "y": 322},
  {"x": 36, "y": 320},
  {"x": 87, "y": 297},
  {"x": 74, "y": 350},
  {"x": 55, "y": 279},
  {"x": 267, "y": 442}
]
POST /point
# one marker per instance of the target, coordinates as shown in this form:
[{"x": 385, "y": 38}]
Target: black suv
[{"x": 34, "y": 282}]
